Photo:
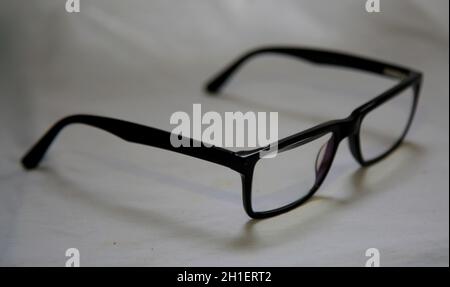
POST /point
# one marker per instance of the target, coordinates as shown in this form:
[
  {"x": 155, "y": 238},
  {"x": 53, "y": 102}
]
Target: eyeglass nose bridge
[
  {"x": 351, "y": 131},
  {"x": 324, "y": 158},
  {"x": 349, "y": 128}
]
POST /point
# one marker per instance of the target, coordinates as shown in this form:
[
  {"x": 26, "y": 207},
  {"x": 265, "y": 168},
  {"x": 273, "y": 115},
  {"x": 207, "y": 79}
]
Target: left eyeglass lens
[{"x": 290, "y": 176}]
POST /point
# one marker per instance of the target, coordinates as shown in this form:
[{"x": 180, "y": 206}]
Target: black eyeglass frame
[{"x": 244, "y": 162}]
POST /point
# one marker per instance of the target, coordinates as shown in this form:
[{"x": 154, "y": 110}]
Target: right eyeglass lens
[
  {"x": 382, "y": 128},
  {"x": 290, "y": 176}
]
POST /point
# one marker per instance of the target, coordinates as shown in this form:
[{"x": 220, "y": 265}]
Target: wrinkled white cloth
[{"x": 125, "y": 204}]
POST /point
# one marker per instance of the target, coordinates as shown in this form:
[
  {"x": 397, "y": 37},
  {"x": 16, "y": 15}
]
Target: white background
[{"x": 123, "y": 204}]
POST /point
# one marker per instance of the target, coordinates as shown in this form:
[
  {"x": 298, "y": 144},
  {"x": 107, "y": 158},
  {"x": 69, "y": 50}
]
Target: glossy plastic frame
[{"x": 244, "y": 162}]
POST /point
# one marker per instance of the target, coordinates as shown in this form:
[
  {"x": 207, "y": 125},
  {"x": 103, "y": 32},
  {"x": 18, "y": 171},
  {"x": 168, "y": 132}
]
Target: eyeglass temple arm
[
  {"x": 314, "y": 56},
  {"x": 130, "y": 132}
]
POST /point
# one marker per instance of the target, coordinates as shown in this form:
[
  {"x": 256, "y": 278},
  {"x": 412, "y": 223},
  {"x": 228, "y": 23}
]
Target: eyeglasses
[{"x": 312, "y": 150}]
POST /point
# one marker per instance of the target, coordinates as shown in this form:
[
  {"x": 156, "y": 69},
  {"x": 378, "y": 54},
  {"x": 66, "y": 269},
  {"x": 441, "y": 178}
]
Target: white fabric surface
[{"x": 124, "y": 204}]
